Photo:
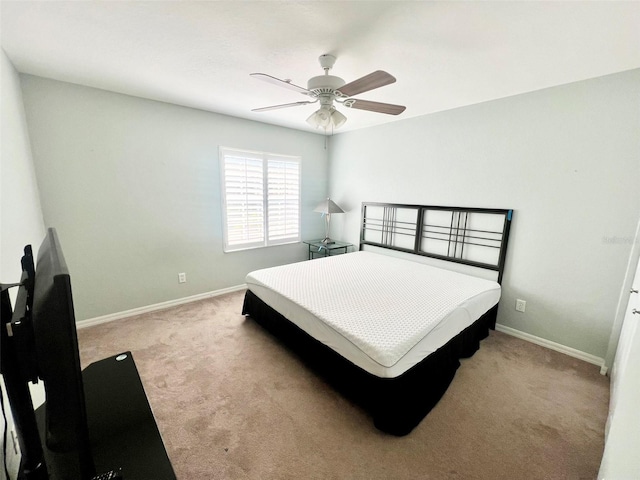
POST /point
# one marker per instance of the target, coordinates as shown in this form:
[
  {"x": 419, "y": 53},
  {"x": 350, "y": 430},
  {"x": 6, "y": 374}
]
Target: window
[{"x": 261, "y": 199}]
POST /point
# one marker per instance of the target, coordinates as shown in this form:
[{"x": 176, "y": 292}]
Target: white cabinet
[{"x": 621, "y": 459}]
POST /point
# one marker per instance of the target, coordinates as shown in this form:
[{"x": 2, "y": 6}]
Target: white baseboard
[
  {"x": 158, "y": 306},
  {"x": 572, "y": 352}
]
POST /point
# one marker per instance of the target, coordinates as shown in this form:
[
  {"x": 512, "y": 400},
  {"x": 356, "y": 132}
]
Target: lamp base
[{"x": 327, "y": 241}]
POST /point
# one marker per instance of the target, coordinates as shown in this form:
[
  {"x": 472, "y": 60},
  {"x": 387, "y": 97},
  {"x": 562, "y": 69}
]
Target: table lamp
[{"x": 326, "y": 208}]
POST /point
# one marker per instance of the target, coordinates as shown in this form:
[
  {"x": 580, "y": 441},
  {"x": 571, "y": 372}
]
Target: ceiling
[{"x": 200, "y": 54}]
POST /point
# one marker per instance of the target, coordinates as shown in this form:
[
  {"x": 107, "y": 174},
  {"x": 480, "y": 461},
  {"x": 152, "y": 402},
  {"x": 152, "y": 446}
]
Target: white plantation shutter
[
  {"x": 283, "y": 200},
  {"x": 244, "y": 200},
  {"x": 261, "y": 199}
]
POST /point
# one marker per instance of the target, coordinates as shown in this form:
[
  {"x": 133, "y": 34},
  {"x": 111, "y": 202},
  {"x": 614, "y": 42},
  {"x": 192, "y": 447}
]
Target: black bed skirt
[{"x": 398, "y": 404}]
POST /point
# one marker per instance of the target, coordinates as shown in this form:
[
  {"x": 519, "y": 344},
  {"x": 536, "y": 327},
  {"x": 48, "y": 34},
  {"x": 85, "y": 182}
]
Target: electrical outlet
[
  {"x": 182, "y": 278},
  {"x": 521, "y": 305}
]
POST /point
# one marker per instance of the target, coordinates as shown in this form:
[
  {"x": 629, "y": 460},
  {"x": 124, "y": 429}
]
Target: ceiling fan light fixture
[
  {"x": 320, "y": 118},
  {"x": 326, "y": 117}
]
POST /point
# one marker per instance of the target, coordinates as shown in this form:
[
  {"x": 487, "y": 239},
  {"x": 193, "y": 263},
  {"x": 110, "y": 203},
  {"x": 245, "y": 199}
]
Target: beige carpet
[{"x": 232, "y": 403}]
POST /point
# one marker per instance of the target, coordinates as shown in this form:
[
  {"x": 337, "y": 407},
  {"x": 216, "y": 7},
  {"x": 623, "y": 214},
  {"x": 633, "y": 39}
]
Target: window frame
[{"x": 265, "y": 158}]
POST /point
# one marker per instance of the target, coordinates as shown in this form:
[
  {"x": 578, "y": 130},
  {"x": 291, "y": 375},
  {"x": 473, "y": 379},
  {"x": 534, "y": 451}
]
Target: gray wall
[
  {"x": 565, "y": 158},
  {"x": 20, "y": 214},
  {"x": 133, "y": 188}
]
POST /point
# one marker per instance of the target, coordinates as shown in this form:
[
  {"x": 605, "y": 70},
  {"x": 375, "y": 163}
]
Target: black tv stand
[{"x": 122, "y": 430}]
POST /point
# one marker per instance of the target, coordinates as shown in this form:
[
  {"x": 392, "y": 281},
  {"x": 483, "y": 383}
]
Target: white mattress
[{"x": 382, "y": 313}]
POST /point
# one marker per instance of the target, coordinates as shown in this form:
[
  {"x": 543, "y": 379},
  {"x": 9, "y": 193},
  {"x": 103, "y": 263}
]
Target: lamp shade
[
  {"x": 338, "y": 119},
  {"x": 328, "y": 206}
]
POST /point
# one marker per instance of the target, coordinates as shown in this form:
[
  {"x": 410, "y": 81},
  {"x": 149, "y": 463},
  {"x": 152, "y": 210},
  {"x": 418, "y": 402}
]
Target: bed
[{"x": 385, "y": 330}]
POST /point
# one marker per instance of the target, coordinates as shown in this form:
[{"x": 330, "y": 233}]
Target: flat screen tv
[
  {"x": 43, "y": 328},
  {"x": 57, "y": 353}
]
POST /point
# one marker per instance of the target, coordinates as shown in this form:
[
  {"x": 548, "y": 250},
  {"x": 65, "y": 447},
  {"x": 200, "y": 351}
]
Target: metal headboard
[{"x": 470, "y": 236}]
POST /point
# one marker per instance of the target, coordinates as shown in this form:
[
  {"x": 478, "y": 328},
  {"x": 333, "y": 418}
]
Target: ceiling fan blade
[
  {"x": 387, "y": 108},
  {"x": 284, "y": 105},
  {"x": 368, "y": 82},
  {"x": 281, "y": 83}
]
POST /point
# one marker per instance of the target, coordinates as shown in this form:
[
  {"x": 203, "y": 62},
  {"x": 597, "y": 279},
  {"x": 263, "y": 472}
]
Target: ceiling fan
[{"x": 327, "y": 89}]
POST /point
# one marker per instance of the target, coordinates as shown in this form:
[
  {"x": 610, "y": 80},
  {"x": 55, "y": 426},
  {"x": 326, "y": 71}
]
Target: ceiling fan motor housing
[{"x": 324, "y": 84}]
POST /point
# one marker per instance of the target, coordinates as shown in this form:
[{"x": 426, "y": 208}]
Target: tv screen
[{"x": 57, "y": 354}]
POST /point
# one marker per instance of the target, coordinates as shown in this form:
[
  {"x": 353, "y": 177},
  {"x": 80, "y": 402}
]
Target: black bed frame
[
  {"x": 451, "y": 236},
  {"x": 398, "y": 404}
]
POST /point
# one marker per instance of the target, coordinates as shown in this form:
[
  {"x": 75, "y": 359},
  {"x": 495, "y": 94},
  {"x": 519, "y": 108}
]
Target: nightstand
[{"x": 319, "y": 249}]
